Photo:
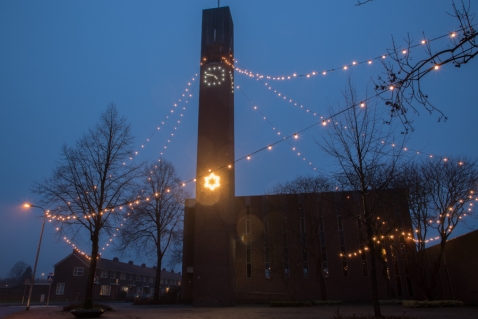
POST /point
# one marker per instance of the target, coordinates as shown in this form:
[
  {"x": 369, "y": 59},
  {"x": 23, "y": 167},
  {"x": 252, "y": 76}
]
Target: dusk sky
[{"x": 63, "y": 62}]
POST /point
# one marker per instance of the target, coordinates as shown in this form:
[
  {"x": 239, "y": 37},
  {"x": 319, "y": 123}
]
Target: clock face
[{"x": 214, "y": 75}]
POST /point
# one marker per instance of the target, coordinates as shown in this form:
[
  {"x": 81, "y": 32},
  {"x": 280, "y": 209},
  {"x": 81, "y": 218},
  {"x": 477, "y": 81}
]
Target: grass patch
[
  {"x": 305, "y": 303},
  {"x": 80, "y": 306},
  {"x": 290, "y": 304},
  {"x": 433, "y": 303},
  {"x": 138, "y": 302},
  {"x": 326, "y": 302},
  {"x": 373, "y": 317},
  {"x": 390, "y": 302}
]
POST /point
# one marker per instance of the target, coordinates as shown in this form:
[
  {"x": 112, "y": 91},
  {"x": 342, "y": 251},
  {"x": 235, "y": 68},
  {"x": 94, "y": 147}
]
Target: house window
[
  {"x": 122, "y": 276},
  {"x": 144, "y": 278},
  {"x": 151, "y": 279},
  {"x": 105, "y": 290},
  {"x": 285, "y": 250},
  {"x": 104, "y": 273},
  {"x": 138, "y": 278},
  {"x": 113, "y": 275},
  {"x": 124, "y": 288},
  {"x": 78, "y": 271},
  {"x": 151, "y": 291},
  {"x": 60, "y": 288},
  {"x": 343, "y": 253},
  {"x": 139, "y": 290},
  {"x": 130, "y": 277},
  {"x": 267, "y": 261},
  {"x": 303, "y": 239},
  {"x": 323, "y": 248}
]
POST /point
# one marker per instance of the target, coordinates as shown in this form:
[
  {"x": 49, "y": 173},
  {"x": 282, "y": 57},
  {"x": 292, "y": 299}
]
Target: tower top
[{"x": 217, "y": 35}]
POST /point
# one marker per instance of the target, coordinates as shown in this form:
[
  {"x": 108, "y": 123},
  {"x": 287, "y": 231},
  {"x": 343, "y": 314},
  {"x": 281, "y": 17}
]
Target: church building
[{"x": 272, "y": 247}]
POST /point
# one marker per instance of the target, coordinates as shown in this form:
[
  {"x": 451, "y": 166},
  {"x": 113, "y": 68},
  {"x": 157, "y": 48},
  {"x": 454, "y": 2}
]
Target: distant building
[
  {"x": 112, "y": 276},
  {"x": 458, "y": 275}
]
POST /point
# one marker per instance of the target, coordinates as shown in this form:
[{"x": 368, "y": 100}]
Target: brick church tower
[{"x": 208, "y": 264}]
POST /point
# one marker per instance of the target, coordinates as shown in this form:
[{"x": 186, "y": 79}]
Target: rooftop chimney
[{"x": 130, "y": 262}]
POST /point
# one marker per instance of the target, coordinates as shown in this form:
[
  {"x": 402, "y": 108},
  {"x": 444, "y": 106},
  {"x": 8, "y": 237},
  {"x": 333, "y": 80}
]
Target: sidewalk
[{"x": 128, "y": 311}]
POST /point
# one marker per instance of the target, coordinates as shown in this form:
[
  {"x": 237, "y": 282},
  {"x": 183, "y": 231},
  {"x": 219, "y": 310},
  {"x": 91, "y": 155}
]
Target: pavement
[{"x": 128, "y": 311}]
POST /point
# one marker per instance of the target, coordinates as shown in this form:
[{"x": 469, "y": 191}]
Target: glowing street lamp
[{"x": 38, "y": 253}]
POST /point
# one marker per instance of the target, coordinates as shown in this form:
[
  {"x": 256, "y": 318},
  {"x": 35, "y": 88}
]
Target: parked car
[
  {"x": 131, "y": 297},
  {"x": 146, "y": 297}
]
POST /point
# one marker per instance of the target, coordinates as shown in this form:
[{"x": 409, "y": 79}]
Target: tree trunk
[
  {"x": 157, "y": 281},
  {"x": 388, "y": 284},
  {"x": 88, "y": 302},
  {"x": 320, "y": 276},
  {"x": 373, "y": 272}
]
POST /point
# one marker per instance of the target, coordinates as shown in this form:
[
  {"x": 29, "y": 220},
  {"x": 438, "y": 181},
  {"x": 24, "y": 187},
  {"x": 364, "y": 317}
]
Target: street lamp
[{"x": 38, "y": 253}]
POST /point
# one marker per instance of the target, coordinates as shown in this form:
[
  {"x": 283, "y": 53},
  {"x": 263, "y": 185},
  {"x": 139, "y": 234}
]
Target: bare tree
[
  {"x": 404, "y": 75},
  {"x": 440, "y": 192},
  {"x": 155, "y": 224},
  {"x": 176, "y": 251},
  {"x": 303, "y": 185},
  {"x": 367, "y": 154},
  {"x": 90, "y": 182},
  {"x": 17, "y": 271}
]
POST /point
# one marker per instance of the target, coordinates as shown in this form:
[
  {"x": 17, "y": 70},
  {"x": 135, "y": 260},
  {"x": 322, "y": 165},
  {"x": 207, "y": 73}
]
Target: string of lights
[
  {"x": 324, "y": 121},
  {"x": 296, "y": 136},
  {"x": 185, "y": 98},
  {"x": 345, "y": 67}
]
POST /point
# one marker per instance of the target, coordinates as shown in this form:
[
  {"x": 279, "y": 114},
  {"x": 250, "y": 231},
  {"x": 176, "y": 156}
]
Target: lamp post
[{"x": 38, "y": 253}]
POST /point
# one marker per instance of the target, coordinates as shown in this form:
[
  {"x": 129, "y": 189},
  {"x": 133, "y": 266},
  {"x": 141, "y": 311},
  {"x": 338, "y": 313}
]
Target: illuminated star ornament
[{"x": 212, "y": 181}]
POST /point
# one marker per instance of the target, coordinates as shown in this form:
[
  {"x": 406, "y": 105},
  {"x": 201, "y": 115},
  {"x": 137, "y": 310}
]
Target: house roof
[{"x": 126, "y": 267}]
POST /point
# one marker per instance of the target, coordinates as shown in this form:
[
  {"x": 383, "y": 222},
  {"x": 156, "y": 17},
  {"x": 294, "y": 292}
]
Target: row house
[{"x": 112, "y": 277}]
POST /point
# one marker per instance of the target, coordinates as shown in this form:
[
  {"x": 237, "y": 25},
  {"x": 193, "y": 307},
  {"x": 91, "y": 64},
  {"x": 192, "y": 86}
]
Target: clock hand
[{"x": 209, "y": 74}]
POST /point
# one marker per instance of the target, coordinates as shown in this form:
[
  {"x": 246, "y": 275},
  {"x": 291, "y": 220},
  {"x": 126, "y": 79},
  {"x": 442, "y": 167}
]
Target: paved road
[
  {"x": 127, "y": 311},
  {"x": 5, "y": 311}
]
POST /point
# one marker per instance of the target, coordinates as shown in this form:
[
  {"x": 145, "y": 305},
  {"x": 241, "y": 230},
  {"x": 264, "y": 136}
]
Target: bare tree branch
[
  {"x": 154, "y": 226},
  {"x": 90, "y": 183},
  {"x": 404, "y": 77}
]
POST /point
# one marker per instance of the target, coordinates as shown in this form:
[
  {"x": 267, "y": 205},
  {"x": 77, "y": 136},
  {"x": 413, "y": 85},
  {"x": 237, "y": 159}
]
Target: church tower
[{"x": 209, "y": 223}]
